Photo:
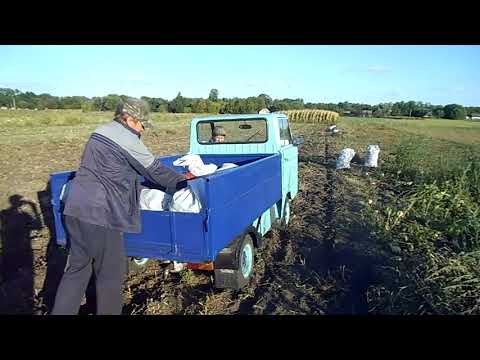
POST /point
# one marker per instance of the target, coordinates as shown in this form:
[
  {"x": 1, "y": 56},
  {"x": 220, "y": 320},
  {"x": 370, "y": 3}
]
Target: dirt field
[{"x": 322, "y": 264}]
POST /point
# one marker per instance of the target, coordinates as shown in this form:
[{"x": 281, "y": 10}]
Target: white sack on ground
[
  {"x": 344, "y": 158},
  {"x": 371, "y": 160},
  {"x": 153, "y": 199},
  {"x": 185, "y": 200},
  {"x": 195, "y": 165}
]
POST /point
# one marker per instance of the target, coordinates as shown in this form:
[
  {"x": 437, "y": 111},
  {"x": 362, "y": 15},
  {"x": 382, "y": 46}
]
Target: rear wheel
[
  {"x": 137, "y": 265},
  {"x": 234, "y": 264},
  {"x": 140, "y": 261}
]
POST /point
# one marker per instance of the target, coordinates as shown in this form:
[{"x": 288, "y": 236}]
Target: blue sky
[{"x": 367, "y": 74}]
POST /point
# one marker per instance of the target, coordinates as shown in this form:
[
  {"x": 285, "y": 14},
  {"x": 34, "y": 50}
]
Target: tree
[
  {"x": 47, "y": 101},
  {"x": 213, "y": 107},
  {"x": 200, "y": 106},
  {"x": 213, "y": 95},
  {"x": 156, "y": 104},
  {"x": 111, "y": 102},
  {"x": 99, "y": 104},
  {"x": 378, "y": 111},
  {"x": 177, "y": 105},
  {"x": 264, "y": 101},
  {"x": 411, "y": 106},
  {"x": 438, "y": 112},
  {"x": 454, "y": 111},
  {"x": 87, "y": 106}
]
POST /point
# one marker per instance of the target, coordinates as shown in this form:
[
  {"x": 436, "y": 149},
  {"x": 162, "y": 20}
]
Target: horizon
[{"x": 362, "y": 74}]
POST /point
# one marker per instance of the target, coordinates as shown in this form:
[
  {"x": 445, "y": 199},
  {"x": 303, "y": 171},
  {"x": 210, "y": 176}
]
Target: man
[
  {"x": 103, "y": 202},
  {"x": 218, "y": 134}
]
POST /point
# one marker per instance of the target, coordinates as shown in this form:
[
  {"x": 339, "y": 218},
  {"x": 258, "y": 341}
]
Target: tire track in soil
[
  {"x": 335, "y": 268},
  {"x": 296, "y": 278}
]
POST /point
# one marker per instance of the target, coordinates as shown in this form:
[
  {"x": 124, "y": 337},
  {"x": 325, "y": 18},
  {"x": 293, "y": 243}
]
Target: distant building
[
  {"x": 474, "y": 116},
  {"x": 347, "y": 113},
  {"x": 366, "y": 113}
]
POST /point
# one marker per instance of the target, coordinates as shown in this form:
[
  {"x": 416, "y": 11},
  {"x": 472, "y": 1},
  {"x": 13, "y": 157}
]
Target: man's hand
[{"x": 189, "y": 176}]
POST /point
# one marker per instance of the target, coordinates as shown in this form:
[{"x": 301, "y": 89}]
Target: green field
[
  {"x": 25, "y": 126},
  {"x": 456, "y": 131}
]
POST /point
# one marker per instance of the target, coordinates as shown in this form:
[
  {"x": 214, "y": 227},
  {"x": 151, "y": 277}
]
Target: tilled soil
[
  {"x": 322, "y": 264},
  {"x": 317, "y": 266}
]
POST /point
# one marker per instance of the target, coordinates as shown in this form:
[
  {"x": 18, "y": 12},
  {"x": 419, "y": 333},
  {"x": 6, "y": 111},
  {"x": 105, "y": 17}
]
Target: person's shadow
[
  {"x": 56, "y": 257},
  {"x": 16, "y": 275}
]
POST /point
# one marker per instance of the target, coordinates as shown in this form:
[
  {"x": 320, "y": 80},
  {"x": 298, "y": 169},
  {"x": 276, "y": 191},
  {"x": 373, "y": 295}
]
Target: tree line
[{"x": 13, "y": 98}]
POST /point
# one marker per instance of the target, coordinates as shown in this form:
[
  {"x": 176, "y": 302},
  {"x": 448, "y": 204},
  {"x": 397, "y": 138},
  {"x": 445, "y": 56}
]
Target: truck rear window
[{"x": 232, "y": 131}]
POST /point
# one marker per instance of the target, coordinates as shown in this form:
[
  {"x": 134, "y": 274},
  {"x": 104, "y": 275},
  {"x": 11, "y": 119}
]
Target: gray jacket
[{"x": 106, "y": 188}]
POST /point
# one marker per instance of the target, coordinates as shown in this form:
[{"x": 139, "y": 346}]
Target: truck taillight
[{"x": 200, "y": 266}]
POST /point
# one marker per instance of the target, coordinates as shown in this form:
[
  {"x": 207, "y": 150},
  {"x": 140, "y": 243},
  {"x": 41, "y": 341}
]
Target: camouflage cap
[
  {"x": 136, "y": 108},
  {"x": 219, "y": 131}
]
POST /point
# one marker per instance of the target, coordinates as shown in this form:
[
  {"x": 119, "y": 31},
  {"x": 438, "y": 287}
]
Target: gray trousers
[{"x": 92, "y": 246}]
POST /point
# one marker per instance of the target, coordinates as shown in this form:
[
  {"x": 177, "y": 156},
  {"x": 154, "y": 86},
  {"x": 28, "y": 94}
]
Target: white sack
[
  {"x": 185, "y": 200},
  {"x": 226, "y": 166},
  {"x": 153, "y": 199},
  {"x": 344, "y": 158},
  {"x": 195, "y": 165},
  {"x": 371, "y": 160}
]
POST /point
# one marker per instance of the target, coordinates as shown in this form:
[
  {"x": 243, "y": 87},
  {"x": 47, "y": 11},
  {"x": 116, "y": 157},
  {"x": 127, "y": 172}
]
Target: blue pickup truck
[{"x": 239, "y": 204}]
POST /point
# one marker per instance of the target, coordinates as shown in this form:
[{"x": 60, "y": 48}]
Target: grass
[
  {"x": 424, "y": 215},
  {"x": 457, "y": 131},
  {"x": 430, "y": 211},
  {"x": 33, "y": 127}
]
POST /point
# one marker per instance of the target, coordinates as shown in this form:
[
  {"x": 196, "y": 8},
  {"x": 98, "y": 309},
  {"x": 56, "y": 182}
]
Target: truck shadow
[{"x": 16, "y": 275}]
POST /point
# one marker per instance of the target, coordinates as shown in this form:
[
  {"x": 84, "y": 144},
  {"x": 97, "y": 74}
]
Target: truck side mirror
[{"x": 298, "y": 141}]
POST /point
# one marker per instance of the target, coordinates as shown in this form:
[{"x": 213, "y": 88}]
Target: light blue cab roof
[{"x": 268, "y": 117}]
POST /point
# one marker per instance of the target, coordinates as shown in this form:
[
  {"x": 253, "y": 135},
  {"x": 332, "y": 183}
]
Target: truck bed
[{"x": 231, "y": 201}]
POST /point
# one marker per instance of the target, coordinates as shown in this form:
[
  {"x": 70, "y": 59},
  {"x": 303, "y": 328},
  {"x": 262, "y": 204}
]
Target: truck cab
[{"x": 254, "y": 134}]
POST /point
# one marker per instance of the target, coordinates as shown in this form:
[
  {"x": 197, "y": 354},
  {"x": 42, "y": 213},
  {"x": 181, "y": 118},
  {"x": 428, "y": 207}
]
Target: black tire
[{"x": 234, "y": 264}]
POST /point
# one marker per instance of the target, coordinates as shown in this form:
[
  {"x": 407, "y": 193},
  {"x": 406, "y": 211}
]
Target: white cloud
[
  {"x": 372, "y": 69},
  {"x": 459, "y": 90},
  {"x": 394, "y": 94},
  {"x": 449, "y": 91},
  {"x": 378, "y": 69}
]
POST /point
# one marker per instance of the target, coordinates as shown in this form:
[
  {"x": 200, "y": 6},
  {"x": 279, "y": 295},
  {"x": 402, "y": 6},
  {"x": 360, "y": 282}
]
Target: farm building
[
  {"x": 473, "y": 116},
  {"x": 366, "y": 113}
]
